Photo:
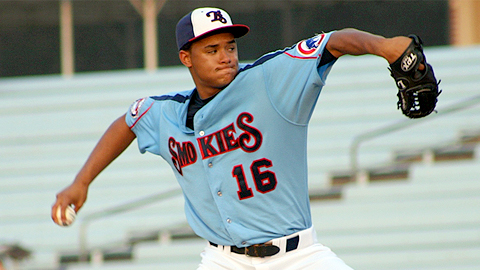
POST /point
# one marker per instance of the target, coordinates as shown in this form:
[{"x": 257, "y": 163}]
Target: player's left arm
[
  {"x": 414, "y": 77},
  {"x": 355, "y": 42}
]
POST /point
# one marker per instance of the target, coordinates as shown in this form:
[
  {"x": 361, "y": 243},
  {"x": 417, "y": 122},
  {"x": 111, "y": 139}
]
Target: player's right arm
[{"x": 113, "y": 142}]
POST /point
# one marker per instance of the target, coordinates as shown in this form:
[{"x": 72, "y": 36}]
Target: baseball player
[{"x": 237, "y": 142}]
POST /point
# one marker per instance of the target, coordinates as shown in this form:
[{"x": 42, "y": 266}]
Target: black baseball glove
[{"x": 417, "y": 89}]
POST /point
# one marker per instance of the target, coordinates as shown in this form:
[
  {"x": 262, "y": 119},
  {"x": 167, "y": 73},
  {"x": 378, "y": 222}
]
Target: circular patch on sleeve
[
  {"x": 310, "y": 46},
  {"x": 136, "y": 107}
]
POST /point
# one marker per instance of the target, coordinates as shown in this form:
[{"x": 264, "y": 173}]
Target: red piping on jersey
[
  {"x": 301, "y": 57},
  {"x": 134, "y": 123}
]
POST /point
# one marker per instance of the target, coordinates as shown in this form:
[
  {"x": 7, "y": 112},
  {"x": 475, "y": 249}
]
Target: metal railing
[
  {"x": 359, "y": 139},
  {"x": 86, "y": 220}
]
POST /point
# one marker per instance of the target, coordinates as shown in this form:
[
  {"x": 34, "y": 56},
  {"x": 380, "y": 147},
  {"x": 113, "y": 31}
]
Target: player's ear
[{"x": 185, "y": 58}]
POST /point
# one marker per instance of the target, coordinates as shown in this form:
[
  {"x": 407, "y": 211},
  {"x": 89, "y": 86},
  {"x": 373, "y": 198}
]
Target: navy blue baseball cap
[{"x": 203, "y": 21}]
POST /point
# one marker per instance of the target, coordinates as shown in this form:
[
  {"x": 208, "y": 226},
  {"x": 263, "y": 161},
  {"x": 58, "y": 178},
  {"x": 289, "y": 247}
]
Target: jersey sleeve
[
  {"x": 295, "y": 78},
  {"x": 140, "y": 119}
]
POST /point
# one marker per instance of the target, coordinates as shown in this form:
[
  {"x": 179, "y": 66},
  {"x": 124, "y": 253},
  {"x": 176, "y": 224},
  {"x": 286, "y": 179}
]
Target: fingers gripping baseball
[
  {"x": 68, "y": 203},
  {"x": 69, "y": 214}
]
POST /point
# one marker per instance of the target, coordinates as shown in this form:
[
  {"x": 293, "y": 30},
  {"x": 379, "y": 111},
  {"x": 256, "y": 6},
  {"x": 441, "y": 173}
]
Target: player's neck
[{"x": 205, "y": 93}]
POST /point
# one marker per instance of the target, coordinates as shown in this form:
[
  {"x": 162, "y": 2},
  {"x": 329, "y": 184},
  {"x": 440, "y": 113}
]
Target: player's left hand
[{"x": 416, "y": 82}]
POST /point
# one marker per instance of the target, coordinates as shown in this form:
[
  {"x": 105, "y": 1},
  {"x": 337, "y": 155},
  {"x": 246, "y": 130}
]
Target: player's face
[{"x": 213, "y": 63}]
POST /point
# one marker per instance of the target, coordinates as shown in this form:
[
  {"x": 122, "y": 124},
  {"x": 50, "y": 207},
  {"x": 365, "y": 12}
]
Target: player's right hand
[{"x": 75, "y": 194}]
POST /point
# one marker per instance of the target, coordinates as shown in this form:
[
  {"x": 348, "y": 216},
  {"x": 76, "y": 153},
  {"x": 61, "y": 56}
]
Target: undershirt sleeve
[{"x": 327, "y": 57}]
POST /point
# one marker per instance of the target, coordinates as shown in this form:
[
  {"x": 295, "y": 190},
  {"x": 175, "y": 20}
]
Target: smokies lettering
[
  {"x": 183, "y": 154},
  {"x": 249, "y": 139},
  {"x": 250, "y": 133},
  {"x": 224, "y": 140}
]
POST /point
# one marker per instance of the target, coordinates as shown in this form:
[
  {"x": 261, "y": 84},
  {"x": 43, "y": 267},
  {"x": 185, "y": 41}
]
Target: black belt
[{"x": 264, "y": 250}]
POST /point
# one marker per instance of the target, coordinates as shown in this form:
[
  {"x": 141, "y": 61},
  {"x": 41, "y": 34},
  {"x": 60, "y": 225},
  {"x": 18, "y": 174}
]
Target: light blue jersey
[{"x": 243, "y": 170}]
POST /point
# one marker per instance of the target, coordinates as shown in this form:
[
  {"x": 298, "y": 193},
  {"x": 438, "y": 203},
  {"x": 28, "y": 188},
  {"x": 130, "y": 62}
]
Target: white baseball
[{"x": 69, "y": 214}]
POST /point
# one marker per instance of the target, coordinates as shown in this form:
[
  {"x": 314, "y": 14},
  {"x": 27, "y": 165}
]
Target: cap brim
[{"x": 238, "y": 30}]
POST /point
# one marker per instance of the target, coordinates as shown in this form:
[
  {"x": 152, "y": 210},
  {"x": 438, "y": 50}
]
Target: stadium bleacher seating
[{"x": 429, "y": 220}]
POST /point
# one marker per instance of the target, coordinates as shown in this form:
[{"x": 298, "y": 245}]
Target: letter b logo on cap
[{"x": 217, "y": 16}]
